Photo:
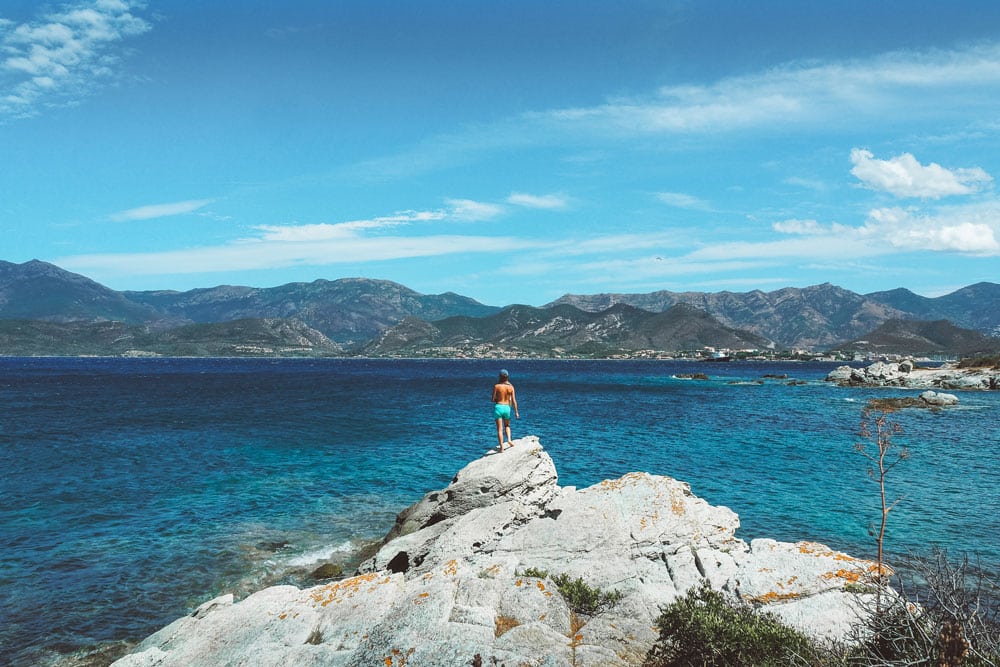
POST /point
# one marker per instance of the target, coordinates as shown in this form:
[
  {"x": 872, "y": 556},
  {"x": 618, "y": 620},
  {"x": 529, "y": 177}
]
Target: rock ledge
[
  {"x": 904, "y": 374},
  {"x": 448, "y": 584}
]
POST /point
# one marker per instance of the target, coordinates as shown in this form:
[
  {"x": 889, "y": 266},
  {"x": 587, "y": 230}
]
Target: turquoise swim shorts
[{"x": 501, "y": 411}]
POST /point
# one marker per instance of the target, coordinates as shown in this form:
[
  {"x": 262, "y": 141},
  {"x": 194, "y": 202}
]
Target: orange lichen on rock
[
  {"x": 885, "y": 572},
  {"x": 816, "y": 549},
  {"x": 451, "y": 568},
  {"x": 389, "y": 661},
  {"x": 632, "y": 478},
  {"x": 421, "y": 598},
  {"x": 645, "y": 522},
  {"x": 851, "y": 576},
  {"x": 773, "y": 596},
  {"x": 541, "y": 587},
  {"x": 492, "y": 570},
  {"x": 338, "y": 590}
]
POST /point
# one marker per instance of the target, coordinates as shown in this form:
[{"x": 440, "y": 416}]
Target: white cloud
[
  {"x": 547, "y": 202},
  {"x": 341, "y": 230},
  {"x": 681, "y": 200},
  {"x": 268, "y": 253},
  {"x": 457, "y": 210},
  {"x": 807, "y": 228},
  {"x": 153, "y": 211},
  {"x": 971, "y": 230},
  {"x": 63, "y": 55},
  {"x": 904, "y": 176},
  {"x": 799, "y": 94},
  {"x": 470, "y": 210},
  {"x": 278, "y": 246}
]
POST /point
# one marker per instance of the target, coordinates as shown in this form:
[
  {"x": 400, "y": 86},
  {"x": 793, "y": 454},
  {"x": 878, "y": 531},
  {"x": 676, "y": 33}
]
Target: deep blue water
[{"x": 133, "y": 490}]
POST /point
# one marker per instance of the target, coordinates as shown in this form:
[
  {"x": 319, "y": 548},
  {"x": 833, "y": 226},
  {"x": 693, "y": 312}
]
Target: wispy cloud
[
  {"x": 270, "y": 254},
  {"x": 153, "y": 211},
  {"x": 904, "y": 176},
  {"x": 472, "y": 211},
  {"x": 64, "y": 54},
  {"x": 339, "y": 230},
  {"x": 381, "y": 238},
  {"x": 681, "y": 200},
  {"x": 798, "y": 94},
  {"x": 807, "y": 227},
  {"x": 807, "y": 95},
  {"x": 547, "y": 202},
  {"x": 461, "y": 210}
]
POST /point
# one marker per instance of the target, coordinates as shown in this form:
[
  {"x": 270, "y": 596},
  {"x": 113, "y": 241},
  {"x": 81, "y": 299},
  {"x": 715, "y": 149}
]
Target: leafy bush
[
  {"x": 579, "y": 597},
  {"x": 584, "y": 599},
  {"x": 706, "y": 629}
]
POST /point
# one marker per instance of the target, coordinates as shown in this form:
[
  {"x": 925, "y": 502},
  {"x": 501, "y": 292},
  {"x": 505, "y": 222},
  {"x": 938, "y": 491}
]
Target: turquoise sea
[{"x": 135, "y": 489}]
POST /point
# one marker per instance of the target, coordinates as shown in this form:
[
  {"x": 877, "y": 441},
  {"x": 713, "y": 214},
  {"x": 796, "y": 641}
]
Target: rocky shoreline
[
  {"x": 469, "y": 571},
  {"x": 909, "y": 375}
]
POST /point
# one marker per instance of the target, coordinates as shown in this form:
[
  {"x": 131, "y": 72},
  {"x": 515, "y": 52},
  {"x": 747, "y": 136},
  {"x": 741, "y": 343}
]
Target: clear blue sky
[{"x": 511, "y": 151}]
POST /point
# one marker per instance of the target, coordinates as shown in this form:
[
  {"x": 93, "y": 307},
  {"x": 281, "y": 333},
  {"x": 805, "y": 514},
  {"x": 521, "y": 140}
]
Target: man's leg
[
  {"x": 500, "y": 434},
  {"x": 506, "y": 424}
]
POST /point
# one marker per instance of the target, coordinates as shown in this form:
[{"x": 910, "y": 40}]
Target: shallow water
[{"x": 133, "y": 490}]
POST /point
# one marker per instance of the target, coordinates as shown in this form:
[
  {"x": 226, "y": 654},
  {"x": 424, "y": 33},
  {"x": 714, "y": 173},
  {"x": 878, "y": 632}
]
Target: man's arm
[{"x": 513, "y": 402}]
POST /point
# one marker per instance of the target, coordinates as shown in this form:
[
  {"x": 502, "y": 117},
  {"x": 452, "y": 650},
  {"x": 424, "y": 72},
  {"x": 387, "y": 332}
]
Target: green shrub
[
  {"x": 535, "y": 572},
  {"x": 579, "y": 597},
  {"x": 705, "y": 629},
  {"x": 584, "y": 599}
]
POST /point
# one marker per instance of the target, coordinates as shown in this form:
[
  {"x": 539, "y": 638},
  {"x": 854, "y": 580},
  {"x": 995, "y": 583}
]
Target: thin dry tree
[{"x": 877, "y": 427}]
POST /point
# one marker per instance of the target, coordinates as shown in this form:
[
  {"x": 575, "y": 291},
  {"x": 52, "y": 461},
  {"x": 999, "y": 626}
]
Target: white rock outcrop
[
  {"x": 904, "y": 374},
  {"x": 448, "y": 584}
]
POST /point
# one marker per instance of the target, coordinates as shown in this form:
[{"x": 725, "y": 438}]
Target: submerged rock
[{"x": 450, "y": 581}]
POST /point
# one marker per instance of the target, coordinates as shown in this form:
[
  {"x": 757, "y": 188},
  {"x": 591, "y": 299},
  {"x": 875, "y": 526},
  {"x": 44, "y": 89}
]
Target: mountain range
[
  {"x": 47, "y": 310},
  {"x": 820, "y": 316}
]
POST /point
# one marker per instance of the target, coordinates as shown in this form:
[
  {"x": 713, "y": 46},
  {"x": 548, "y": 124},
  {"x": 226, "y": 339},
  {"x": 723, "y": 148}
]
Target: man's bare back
[{"x": 503, "y": 393}]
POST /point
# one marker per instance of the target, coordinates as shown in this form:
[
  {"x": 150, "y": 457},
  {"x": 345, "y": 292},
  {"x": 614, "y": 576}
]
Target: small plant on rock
[
  {"x": 534, "y": 572},
  {"x": 584, "y": 599}
]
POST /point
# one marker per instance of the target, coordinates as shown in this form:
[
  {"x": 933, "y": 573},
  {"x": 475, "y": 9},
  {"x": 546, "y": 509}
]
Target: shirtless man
[{"x": 503, "y": 401}]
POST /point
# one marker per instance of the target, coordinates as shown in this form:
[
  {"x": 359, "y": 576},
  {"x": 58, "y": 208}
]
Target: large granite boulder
[
  {"x": 905, "y": 374},
  {"x": 450, "y": 583}
]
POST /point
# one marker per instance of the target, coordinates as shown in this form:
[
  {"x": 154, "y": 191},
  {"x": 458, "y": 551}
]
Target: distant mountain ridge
[
  {"x": 922, "y": 338},
  {"x": 819, "y": 316},
  {"x": 564, "y": 329},
  {"x": 380, "y": 317},
  {"x": 349, "y": 311}
]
